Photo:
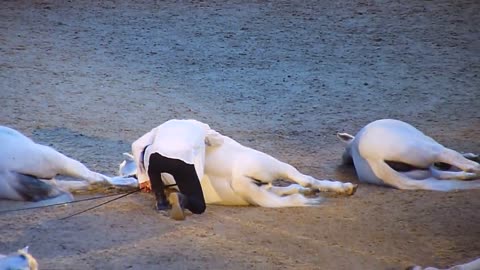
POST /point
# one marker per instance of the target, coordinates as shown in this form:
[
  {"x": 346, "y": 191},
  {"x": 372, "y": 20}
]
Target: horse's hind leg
[{"x": 456, "y": 159}]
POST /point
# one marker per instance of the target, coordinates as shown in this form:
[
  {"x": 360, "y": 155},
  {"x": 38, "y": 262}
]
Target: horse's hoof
[
  {"x": 353, "y": 190},
  {"x": 472, "y": 156},
  {"x": 123, "y": 182},
  {"x": 175, "y": 200}
]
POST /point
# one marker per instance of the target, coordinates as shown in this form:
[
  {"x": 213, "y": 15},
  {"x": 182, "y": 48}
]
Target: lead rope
[
  {"x": 57, "y": 204},
  {"x": 98, "y": 205}
]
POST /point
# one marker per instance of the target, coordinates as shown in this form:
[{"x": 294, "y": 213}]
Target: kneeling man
[{"x": 172, "y": 157}]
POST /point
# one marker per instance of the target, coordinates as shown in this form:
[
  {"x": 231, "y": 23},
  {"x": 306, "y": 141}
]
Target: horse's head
[
  {"x": 21, "y": 260},
  {"x": 347, "y": 154},
  {"x": 128, "y": 167}
]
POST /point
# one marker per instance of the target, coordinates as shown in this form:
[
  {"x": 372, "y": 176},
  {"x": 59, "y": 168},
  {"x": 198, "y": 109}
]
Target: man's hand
[{"x": 145, "y": 186}]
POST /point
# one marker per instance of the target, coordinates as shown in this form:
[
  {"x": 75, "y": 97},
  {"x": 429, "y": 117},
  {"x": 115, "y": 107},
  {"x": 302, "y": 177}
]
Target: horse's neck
[
  {"x": 209, "y": 192},
  {"x": 219, "y": 191}
]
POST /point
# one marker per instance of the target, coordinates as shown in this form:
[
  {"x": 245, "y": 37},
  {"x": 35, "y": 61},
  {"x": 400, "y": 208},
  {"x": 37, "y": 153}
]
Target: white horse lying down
[
  {"x": 473, "y": 265},
  {"x": 383, "y": 147},
  {"x": 25, "y": 165},
  {"x": 238, "y": 175},
  {"x": 20, "y": 260}
]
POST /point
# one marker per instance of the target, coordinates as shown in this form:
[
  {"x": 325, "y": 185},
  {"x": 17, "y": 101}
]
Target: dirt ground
[{"x": 89, "y": 77}]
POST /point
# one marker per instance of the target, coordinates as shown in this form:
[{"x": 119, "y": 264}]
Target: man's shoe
[{"x": 175, "y": 199}]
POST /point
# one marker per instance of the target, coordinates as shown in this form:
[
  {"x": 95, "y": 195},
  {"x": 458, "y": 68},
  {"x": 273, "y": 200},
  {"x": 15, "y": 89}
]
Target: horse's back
[
  {"x": 13, "y": 144},
  {"x": 7, "y": 131}
]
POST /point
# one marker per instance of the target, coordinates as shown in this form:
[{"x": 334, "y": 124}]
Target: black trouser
[{"x": 185, "y": 177}]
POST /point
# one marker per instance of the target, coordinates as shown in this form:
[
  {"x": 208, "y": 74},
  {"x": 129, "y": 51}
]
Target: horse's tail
[
  {"x": 64, "y": 197},
  {"x": 30, "y": 188}
]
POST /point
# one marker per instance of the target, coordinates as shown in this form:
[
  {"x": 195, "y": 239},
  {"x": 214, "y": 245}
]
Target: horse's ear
[
  {"x": 213, "y": 138},
  {"x": 25, "y": 249},
  {"x": 30, "y": 260},
  {"x": 128, "y": 156},
  {"x": 345, "y": 137}
]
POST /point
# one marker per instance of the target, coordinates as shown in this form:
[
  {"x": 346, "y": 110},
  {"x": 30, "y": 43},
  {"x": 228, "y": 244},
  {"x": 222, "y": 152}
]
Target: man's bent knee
[{"x": 197, "y": 208}]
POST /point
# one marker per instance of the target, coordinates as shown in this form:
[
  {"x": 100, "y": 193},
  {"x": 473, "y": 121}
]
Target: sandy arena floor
[{"x": 89, "y": 77}]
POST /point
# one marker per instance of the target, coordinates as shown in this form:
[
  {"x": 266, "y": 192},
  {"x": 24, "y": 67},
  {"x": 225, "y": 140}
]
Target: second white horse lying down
[
  {"x": 238, "y": 175},
  {"x": 394, "y": 153},
  {"x": 20, "y": 260},
  {"x": 27, "y": 170}
]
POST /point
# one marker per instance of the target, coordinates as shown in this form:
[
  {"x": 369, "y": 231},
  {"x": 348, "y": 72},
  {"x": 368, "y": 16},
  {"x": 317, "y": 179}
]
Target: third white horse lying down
[
  {"x": 394, "y": 153},
  {"x": 238, "y": 175},
  {"x": 27, "y": 170}
]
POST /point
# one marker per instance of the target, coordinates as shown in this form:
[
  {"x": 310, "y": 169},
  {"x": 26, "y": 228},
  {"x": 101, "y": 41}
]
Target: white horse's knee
[
  {"x": 289, "y": 190},
  {"x": 98, "y": 178}
]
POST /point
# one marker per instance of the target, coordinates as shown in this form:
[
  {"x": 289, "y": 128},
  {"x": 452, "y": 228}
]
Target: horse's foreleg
[
  {"x": 289, "y": 190},
  {"x": 76, "y": 169},
  {"x": 261, "y": 196},
  {"x": 123, "y": 183},
  {"x": 71, "y": 167},
  {"x": 447, "y": 175},
  {"x": 292, "y": 174},
  {"x": 72, "y": 186},
  {"x": 59, "y": 164}
]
